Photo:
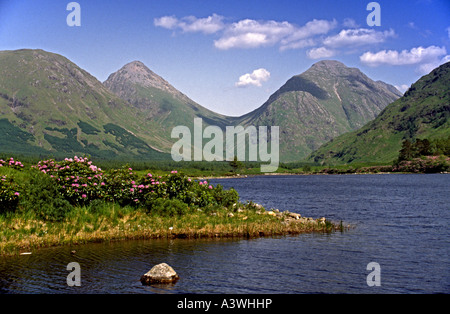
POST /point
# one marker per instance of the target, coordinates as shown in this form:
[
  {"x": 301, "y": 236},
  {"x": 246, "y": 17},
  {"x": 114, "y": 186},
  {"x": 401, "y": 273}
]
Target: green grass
[{"x": 110, "y": 222}]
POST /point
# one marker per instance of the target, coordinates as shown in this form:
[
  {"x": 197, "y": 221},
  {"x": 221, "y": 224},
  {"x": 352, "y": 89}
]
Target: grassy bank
[
  {"x": 109, "y": 222},
  {"x": 73, "y": 202}
]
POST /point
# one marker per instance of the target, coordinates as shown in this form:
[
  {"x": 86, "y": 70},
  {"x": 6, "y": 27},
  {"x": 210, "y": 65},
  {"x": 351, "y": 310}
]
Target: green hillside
[
  {"x": 422, "y": 113},
  {"x": 50, "y": 106}
]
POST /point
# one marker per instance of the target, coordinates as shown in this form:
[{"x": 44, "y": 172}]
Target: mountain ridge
[
  {"x": 64, "y": 109},
  {"x": 68, "y": 105},
  {"x": 328, "y": 99},
  {"x": 422, "y": 112}
]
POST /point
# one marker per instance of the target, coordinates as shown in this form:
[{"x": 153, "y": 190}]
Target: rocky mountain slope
[
  {"x": 423, "y": 112},
  {"x": 50, "y": 106},
  {"x": 159, "y": 102},
  {"x": 327, "y": 100}
]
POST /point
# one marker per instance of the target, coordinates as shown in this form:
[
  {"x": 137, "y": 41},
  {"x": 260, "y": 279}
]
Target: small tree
[
  {"x": 407, "y": 151},
  {"x": 236, "y": 164}
]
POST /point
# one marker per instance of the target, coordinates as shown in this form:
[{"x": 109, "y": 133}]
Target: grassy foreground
[
  {"x": 73, "y": 202},
  {"x": 24, "y": 232}
]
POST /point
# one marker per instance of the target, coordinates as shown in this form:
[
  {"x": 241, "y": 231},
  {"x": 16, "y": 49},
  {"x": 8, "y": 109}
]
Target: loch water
[{"x": 399, "y": 221}]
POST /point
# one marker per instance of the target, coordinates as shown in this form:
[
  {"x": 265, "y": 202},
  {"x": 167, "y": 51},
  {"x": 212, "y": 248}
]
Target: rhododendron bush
[{"x": 79, "y": 181}]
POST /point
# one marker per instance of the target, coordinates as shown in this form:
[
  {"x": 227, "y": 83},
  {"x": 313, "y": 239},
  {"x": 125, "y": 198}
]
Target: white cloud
[
  {"x": 357, "y": 37},
  {"x": 402, "y": 88},
  {"x": 301, "y": 36},
  {"x": 248, "y": 33},
  {"x": 321, "y": 52},
  {"x": 298, "y": 44},
  {"x": 255, "y": 78},
  {"x": 208, "y": 25},
  {"x": 350, "y": 23},
  {"x": 412, "y": 25},
  {"x": 406, "y": 57},
  {"x": 430, "y": 66},
  {"x": 169, "y": 22},
  {"x": 252, "y": 34},
  {"x": 426, "y": 59}
]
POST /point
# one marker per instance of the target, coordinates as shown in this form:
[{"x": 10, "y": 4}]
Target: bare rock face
[{"x": 160, "y": 274}]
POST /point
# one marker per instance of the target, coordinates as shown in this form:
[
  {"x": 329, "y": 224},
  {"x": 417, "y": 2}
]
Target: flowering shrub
[
  {"x": 429, "y": 164},
  {"x": 120, "y": 185},
  {"x": 15, "y": 164},
  {"x": 9, "y": 195},
  {"x": 80, "y": 182}
]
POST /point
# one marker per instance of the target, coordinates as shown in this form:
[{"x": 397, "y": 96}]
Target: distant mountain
[
  {"x": 423, "y": 112},
  {"x": 50, "y": 106},
  {"x": 327, "y": 100},
  {"x": 159, "y": 103}
]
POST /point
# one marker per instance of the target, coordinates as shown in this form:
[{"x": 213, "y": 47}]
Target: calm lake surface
[{"x": 400, "y": 222}]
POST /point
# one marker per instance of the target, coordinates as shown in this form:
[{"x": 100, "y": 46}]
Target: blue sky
[{"x": 228, "y": 55}]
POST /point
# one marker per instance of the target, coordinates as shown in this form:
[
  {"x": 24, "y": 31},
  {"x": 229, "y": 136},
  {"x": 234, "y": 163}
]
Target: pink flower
[
  {"x": 210, "y": 187},
  {"x": 174, "y": 171},
  {"x": 83, "y": 195},
  {"x": 102, "y": 184},
  {"x": 17, "y": 194},
  {"x": 131, "y": 190}
]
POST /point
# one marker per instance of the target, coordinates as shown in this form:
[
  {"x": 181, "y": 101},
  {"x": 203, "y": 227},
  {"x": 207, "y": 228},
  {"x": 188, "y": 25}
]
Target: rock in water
[{"x": 161, "y": 273}]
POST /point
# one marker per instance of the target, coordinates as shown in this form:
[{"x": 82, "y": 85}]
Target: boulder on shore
[{"x": 160, "y": 274}]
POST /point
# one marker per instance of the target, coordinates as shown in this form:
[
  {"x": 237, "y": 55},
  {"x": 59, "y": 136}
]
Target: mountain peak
[
  {"x": 329, "y": 63},
  {"x": 332, "y": 67},
  {"x": 321, "y": 103},
  {"x": 138, "y": 73}
]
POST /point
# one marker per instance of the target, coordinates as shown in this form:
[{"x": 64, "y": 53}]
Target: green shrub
[
  {"x": 9, "y": 194},
  {"x": 43, "y": 197},
  {"x": 167, "y": 207},
  {"x": 226, "y": 198},
  {"x": 120, "y": 186}
]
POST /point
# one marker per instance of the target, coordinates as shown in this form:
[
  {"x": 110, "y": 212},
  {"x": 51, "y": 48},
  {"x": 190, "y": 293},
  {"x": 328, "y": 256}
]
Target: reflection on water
[{"x": 401, "y": 223}]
